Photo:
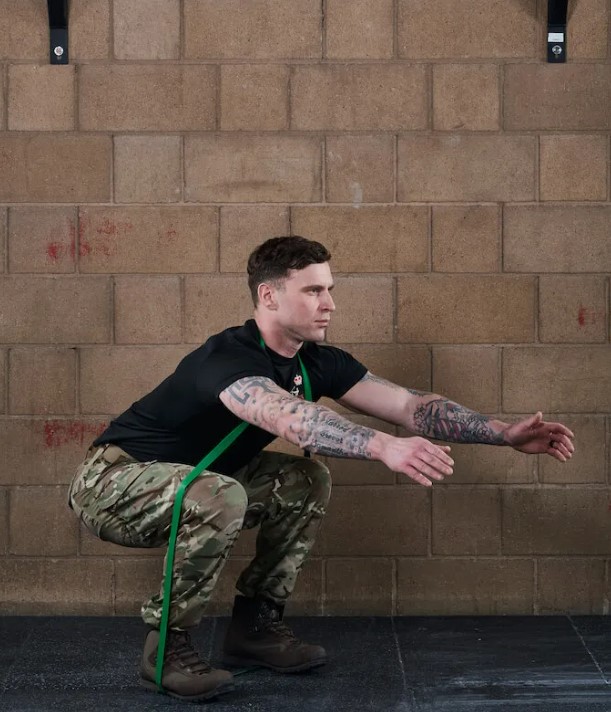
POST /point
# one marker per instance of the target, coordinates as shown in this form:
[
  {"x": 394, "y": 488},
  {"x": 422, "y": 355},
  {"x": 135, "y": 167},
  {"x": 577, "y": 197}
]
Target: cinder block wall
[{"x": 460, "y": 181}]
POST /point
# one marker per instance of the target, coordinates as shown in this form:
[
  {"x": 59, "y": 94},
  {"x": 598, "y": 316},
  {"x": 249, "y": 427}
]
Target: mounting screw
[{"x": 58, "y": 51}]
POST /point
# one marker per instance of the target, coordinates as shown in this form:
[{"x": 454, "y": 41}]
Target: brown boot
[
  {"x": 185, "y": 675},
  {"x": 257, "y": 636}
]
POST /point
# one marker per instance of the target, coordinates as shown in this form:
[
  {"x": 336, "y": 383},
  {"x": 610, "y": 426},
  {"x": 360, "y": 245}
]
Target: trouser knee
[
  {"x": 317, "y": 482},
  {"x": 217, "y": 500}
]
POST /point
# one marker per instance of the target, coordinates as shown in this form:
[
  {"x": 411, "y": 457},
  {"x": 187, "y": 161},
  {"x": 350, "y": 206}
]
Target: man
[{"x": 259, "y": 373}]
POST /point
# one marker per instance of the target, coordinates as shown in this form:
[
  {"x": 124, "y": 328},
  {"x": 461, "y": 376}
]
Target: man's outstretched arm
[
  {"x": 260, "y": 401},
  {"x": 434, "y": 416}
]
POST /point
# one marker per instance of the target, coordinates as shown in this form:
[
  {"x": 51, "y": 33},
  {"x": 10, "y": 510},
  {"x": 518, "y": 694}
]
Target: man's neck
[{"x": 278, "y": 340}]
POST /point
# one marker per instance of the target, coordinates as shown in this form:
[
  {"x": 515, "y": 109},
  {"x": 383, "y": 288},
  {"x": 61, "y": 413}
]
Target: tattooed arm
[
  {"x": 260, "y": 401},
  {"x": 436, "y": 417},
  {"x": 433, "y": 416},
  {"x": 425, "y": 414}
]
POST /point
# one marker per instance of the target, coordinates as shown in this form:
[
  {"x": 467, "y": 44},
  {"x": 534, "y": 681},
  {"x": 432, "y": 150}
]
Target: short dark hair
[{"x": 272, "y": 261}]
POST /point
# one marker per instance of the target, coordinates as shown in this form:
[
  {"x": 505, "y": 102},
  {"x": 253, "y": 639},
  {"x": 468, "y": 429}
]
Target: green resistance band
[{"x": 215, "y": 453}]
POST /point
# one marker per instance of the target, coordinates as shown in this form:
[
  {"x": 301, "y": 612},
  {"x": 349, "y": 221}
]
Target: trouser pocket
[{"x": 98, "y": 488}]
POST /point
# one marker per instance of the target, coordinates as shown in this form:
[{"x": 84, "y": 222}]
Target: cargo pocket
[{"x": 97, "y": 499}]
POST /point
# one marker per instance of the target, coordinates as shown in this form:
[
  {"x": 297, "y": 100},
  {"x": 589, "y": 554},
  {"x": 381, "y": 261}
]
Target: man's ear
[{"x": 267, "y": 296}]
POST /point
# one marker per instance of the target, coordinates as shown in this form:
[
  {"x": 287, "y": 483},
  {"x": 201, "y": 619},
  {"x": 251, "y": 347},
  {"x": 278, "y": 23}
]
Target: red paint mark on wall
[
  {"x": 167, "y": 235},
  {"x": 62, "y": 243},
  {"x": 110, "y": 227},
  {"x": 587, "y": 316},
  {"x": 63, "y": 432},
  {"x": 55, "y": 250},
  {"x": 107, "y": 228},
  {"x": 102, "y": 238}
]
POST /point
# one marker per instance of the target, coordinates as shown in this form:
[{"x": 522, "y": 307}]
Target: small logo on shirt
[{"x": 298, "y": 380}]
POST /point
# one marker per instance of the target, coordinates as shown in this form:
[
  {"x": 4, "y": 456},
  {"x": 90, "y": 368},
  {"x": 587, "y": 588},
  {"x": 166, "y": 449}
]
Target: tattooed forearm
[
  {"x": 444, "y": 420},
  {"x": 310, "y": 426},
  {"x": 337, "y": 436}
]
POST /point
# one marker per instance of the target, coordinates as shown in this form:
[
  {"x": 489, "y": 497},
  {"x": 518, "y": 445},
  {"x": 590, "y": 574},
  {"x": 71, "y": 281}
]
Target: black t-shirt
[{"x": 182, "y": 419}]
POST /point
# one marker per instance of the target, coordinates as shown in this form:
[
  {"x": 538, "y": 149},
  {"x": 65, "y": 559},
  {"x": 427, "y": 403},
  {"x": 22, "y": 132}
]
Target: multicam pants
[{"x": 130, "y": 503}]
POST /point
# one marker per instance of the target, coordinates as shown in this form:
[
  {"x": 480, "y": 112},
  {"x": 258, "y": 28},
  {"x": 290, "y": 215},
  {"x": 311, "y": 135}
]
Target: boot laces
[
  {"x": 269, "y": 619},
  {"x": 181, "y": 650},
  {"x": 283, "y": 631}
]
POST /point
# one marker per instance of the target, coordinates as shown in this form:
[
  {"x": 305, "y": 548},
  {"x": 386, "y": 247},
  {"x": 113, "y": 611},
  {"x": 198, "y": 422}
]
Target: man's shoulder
[
  {"x": 233, "y": 337},
  {"x": 232, "y": 348}
]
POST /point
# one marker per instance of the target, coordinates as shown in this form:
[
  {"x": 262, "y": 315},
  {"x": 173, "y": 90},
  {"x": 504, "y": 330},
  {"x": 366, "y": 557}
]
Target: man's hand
[
  {"x": 417, "y": 458},
  {"x": 534, "y": 436}
]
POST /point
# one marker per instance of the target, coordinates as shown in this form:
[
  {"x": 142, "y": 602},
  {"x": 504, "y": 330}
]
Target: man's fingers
[
  {"x": 435, "y": 464},
  {"x": 564, "y": 448},
  {"x": 419, "y": 478},
  {"x": 559, "y": 447},
  {"x": 427, "y": 462},
  {"x": 438, "y": 453},
  {"x": 431, "y": 472},
  {"x": 558, "y": 439},
  {"x": 555, "y": 452},
  {"x": 423, "y": 474},
  {"x": 559, "y": 429}
]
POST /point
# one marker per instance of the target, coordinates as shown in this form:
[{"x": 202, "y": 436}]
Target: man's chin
[
  {"x": 321, "y": 333},
  {"x": 317, "y": 334}
]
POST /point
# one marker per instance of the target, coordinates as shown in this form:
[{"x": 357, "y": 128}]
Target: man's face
[{"x": 304, "y": 303}]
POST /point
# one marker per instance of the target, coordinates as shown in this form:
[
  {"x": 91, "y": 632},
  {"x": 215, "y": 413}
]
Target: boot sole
[
  {"x": 220, "y": 690},
  {"x": 238, "y": 662}
]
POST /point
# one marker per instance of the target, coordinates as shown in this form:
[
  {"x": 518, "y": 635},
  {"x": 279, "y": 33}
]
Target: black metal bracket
[
  {"x": 556, "y": 30},
  {"x": 58, "y": 31}
]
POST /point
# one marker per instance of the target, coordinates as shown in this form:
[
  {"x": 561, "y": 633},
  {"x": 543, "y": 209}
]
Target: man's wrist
[
  {"x": 501, "y": 427},
  {"x": 378, "y": 445}
]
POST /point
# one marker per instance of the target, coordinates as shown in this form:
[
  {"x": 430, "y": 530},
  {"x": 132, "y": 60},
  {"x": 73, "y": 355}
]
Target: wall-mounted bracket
[
  {"x": 58, "y": 31},
  {"x": 556, "y": 30}
]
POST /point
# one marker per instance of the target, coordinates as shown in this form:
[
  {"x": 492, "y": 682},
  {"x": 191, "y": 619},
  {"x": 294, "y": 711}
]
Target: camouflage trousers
[{"x": 130, "y": 503}]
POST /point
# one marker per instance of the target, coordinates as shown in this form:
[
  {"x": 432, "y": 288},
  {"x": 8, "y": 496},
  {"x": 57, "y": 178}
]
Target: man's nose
[{"x": 330, "y": 305}]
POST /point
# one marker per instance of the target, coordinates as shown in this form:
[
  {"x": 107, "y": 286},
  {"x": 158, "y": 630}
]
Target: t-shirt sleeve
[
  {"x": 340, "y": 371},
  {"x": 223, "y": 369}
]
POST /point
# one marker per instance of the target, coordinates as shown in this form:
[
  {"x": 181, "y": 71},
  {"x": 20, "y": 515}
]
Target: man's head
[
  {"x": 273, "y": 261},
  {"x": 290, "y": 282}
]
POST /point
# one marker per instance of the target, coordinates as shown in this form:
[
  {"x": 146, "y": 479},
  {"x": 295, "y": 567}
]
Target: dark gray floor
[{"x": 401, "y": 664}]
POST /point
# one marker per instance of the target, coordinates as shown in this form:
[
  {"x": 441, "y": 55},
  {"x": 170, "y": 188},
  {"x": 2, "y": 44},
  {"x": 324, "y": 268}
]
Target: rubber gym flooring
[{"x": 462, "y": 664}]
